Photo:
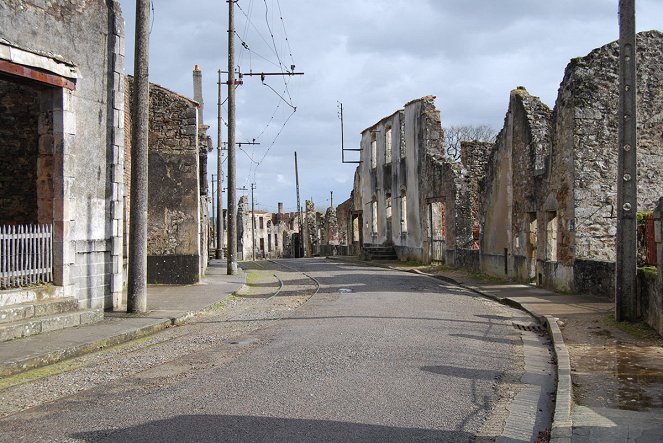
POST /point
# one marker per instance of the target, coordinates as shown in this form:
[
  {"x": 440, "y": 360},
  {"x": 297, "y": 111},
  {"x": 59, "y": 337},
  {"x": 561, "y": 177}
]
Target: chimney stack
[
  {"x": 198, "y": 92},
  {"x": 280, "y": 208}
]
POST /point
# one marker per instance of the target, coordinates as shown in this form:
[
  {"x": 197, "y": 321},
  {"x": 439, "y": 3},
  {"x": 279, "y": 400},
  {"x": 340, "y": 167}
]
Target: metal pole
[
  {"x": 232, "y": 220},
  {"x": 299, "y": 211},
  {"x": 253, "y": 222},
  {"x": 626, "y": 303},
  {"x": 137, "y": 270},
  {"x": 213, "y": 240},
  {"x": 219, "y": 179},
  {"x": 342, "y": 144}
]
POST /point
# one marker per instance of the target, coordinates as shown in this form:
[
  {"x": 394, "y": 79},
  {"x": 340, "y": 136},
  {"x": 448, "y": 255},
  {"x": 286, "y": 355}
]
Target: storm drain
[{"x": 530, "y": 327}]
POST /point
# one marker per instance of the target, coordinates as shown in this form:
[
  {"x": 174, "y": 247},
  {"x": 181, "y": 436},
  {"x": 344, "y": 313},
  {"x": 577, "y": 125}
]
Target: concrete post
[
  {"x": 219, "y": 179},
  {"x": 137, "y": 270},
  {"x": 626, "y": 303},
  {"x": 232, "y": 219}
]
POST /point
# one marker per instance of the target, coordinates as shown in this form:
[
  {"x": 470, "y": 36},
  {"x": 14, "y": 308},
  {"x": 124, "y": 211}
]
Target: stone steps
[
  {"x": 25, "y": 319},
  {"x": 380, "y": 253}
]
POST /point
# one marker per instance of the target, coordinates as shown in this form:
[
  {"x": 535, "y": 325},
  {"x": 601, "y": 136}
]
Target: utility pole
[
  {"x": 340, "y": 116},
  {"x": 137, "y": 270},
  {"x": 219, "y": 179},
  {"x": 253, "y": 222},
  {"x": 213, "y": 241},
  {"x": 626, "y": 302},
  {"x": 299, "y": 212},
  {"x": 232, "y": 220}
]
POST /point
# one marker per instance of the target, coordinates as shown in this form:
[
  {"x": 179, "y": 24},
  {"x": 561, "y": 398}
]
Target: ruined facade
[
  {"x": 552, "y": 181},
  {"x": 273, "y": 232},
  {"x": 178, "y": 216},
  {"x": 61, "y": 143},
  {"x": 407, "y": 193}
]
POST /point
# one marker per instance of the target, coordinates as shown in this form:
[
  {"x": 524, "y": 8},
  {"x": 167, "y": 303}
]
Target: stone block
[
  {"x": 91, "y": 316},
  {"x": 56, "y": 306},
  {"x": 14, "y": 313},
  {"x": 16, "y": 330},
  {"x": 61, "y": 321}
]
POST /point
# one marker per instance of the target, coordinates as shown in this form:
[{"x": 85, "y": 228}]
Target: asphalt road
[{"x": 375, "y": 355}]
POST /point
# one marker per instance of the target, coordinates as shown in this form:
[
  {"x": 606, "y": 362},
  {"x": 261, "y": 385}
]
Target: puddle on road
[
  {"x": 345, "y": 290},
  {"x": 620, "y": 376}
]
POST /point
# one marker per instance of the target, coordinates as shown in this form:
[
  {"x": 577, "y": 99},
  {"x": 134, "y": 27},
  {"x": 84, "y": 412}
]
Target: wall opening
[
  {"x": 551, "y": 236},
  {"x": 438, "y": 231},
  {"x": 26, "y": 154},
  {"x": 532, "y": 245},
  {"x": 387, "y": 146},
  {"x": 403, "y": 213},
  {"x": 388, "y": 204},
  {"x": 374, "y": 217},
  {"x": 27, "y": 187},
  {"x": 374, "y": 151}
]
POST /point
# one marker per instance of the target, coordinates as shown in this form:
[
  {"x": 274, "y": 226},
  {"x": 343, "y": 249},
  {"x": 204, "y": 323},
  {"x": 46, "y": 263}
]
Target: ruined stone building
[
  {"x": 178, "y": 218},
  {"x": 273, "y": 232},
  {"x": 61, "y": 160},
  {"x": 537, "y": 206},
  {"x": 550, "y": 191},
  {"x": 407, "y": 194}
]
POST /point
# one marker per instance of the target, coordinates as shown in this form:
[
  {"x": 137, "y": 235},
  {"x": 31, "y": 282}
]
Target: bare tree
[{"x": 455, "y": 134}]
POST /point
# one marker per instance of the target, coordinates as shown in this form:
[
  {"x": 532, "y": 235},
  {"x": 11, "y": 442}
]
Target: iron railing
[{"x": 26, "y": 255}]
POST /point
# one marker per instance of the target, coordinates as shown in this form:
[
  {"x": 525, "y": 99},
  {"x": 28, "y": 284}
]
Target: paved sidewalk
[
  {"x": 167, "y": 306},
  {"x": 572, "y": 422}
]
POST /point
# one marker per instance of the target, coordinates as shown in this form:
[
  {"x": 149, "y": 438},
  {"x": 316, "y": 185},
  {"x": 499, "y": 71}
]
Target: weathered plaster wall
[
  {"x": 174, "y": 225},
  {"x": 87, "y": 141},
  {"x": 376, "y": 183}
]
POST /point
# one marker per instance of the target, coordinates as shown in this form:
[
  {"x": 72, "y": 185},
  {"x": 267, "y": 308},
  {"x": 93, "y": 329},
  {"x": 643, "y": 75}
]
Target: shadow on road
[{"x": 228, "y": 428}]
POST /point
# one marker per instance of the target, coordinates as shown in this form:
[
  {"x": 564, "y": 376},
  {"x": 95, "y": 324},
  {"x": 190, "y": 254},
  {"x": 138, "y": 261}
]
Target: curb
[{"x": 562, "y": 424}]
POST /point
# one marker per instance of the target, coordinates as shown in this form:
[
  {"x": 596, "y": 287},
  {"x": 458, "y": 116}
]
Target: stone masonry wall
[
  {"x": 589, "y": 100},
  {"x": 173, "y": 245}
]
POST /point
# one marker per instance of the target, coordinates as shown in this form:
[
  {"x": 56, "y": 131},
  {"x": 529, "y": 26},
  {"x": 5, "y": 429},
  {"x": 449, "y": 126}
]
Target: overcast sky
[{"x": 371, "y": 55}]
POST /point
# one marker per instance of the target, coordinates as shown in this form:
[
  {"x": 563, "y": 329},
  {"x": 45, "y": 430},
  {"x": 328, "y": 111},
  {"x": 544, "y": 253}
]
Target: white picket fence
[{"x": 26, "y": 255}]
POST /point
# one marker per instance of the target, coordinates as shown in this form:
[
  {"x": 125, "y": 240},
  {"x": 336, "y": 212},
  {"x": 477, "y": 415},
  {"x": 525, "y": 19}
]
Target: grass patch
[
  {"x": 649, "y": 271},
  {"x": 36, "y": 374},
  {"x": 638, "y": 329},
  {"x": 256, "y": 277}
]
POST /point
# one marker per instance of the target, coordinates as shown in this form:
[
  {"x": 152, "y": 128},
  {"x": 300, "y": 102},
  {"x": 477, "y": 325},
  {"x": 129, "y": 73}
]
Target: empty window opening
[
  {"x": 403, "y": 213},
  {"x": 387, "y": 146},
  {"x": 374, "y": 152},
  {"x": 551, "y": 236}
]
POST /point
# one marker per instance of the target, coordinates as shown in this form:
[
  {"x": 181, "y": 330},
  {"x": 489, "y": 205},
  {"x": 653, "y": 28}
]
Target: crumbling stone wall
[
  {"x": 551, "y": 180},
  {"x": 312, "y": 239},
  {"x": 174, "y": 214},
  {"x": 510, "y": 243},
  {"x": 584, "y": 167},
  {"x": 332, "y": 236},
  {"x": 344, "y": 221}
]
